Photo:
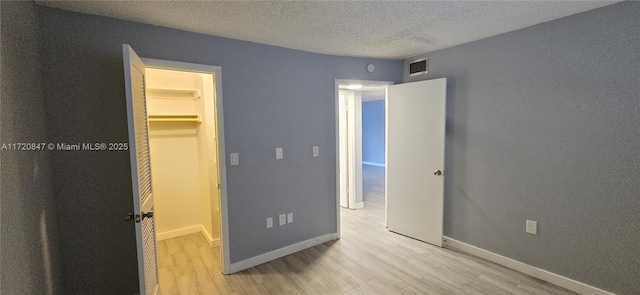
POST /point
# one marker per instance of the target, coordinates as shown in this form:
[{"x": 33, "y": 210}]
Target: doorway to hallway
[
  {"x": 414, "y": 140},
  {"x": 350, "y": 96}
]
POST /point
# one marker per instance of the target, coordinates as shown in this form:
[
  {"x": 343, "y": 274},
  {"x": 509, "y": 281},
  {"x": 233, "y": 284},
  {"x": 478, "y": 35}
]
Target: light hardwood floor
[{"x": 368, "y": 259}]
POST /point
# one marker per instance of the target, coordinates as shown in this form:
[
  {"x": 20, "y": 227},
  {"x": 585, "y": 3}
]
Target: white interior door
[
  {"x": 134, "y": 76},
  {"x": 415, "y": 159}
]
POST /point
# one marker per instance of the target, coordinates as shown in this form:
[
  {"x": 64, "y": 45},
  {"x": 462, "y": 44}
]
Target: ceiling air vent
[{"x": 419, "y": 67}]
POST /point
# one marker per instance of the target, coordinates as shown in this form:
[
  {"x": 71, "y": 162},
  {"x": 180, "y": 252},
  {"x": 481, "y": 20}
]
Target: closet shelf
[
  {"x": 173, "y": 93},
  {"x": 175, "y": 118}
]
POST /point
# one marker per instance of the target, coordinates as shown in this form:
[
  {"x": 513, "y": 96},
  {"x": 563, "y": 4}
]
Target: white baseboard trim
[
  {"x": 275, "y": 254},
  {"x": 212, "y": 242},
  {"x": 373, "y": 164},
  {"x": 533, "y": 271},
  {"x": 215, "y": 243},
  {"x": 179, "y": 232},
  {"x": 358, "y": 205},
  {"x": 189, "y": 230}
]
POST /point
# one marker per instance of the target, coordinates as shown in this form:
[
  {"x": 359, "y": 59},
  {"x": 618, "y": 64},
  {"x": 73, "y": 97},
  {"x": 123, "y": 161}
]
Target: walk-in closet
[{"x": 184, "y": 164}]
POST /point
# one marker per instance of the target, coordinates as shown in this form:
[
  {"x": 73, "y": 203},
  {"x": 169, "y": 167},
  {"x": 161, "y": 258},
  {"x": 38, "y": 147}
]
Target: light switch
[
  {"x": 235, "y": 159},
  {"x": 279, "y": 155},
  {"x": 282, "y": 219},
  {"x": 290, "y": 218},
  {"x": 316, "y": 151},
  {"x": 270, "y": 222}
]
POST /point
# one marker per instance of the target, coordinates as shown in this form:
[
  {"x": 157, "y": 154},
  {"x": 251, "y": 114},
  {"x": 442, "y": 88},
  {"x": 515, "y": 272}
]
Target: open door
[
  {"x": 415, "y": 159},
  {"x": 134, "y": 76}
]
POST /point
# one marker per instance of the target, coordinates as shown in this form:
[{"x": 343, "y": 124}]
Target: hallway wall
[{"x": 373, "y": 131}]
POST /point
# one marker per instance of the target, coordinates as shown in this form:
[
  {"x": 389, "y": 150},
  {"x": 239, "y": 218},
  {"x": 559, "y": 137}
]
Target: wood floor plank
[
  {"x": 256, "y": 276},
  {"x": 418, "y": 288},
  {"x": 385, "y": 286},
  {"x": 499, "y": 282},
  {"x": 187, "y": 285},
  {"x": 350, "y": 277},
  {"x": 207, "y": 288},
  {"x": 274, "y": 277},
  {"x": 368, "y": 259},
  {"x": 219, "y": 282},
  {"x": 169, "y": 284},
  {"x": 353, "y": 291},
  {"x": 335, "y": 281},
  {"x": 367, "y": 288}
]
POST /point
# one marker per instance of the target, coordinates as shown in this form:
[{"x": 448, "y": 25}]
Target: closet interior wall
[{"x": 182, "y": 135}]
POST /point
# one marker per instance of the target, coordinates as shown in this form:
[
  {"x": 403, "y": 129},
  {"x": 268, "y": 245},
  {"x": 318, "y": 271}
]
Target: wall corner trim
[
  {"x": 212, "y": 242},
  {"x": 275, "y": 254},
  {"x": 533, "y": 271}
]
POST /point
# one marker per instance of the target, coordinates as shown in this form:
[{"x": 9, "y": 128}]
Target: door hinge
[{"x": 137, "y": 218}]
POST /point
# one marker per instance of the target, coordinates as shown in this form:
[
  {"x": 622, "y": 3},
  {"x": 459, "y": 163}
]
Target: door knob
[
  {"x": 437, "y": 173},
  {"x": 128, "y": 217},
  {"x": 147, "y": 215}
]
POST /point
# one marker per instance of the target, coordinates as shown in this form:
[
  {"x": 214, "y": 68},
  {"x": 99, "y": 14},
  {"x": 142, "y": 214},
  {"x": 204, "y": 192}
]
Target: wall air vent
[{"x": 419, "y": 67}]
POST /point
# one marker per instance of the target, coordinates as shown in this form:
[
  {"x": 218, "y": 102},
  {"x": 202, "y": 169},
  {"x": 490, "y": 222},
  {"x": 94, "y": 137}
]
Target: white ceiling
[{"x": 381, "y": 29}]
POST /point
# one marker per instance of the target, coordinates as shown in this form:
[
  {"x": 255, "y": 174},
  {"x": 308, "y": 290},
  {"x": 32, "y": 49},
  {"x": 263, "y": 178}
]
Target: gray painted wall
[
  {"x": 30, "y": 256},
  {"x": 543, "y": 123},
  {"x": 273, "y": 97}
]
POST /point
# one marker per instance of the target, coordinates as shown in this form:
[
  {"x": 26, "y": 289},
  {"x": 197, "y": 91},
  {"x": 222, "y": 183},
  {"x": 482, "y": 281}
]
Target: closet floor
[{"x": 368, "y": 259}]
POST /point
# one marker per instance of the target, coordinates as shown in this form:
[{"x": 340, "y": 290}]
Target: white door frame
[
  {"x": 357, "y": 134},
  {"x": 352, "y": 111},
  {"x": 343, "y": 126},
  {"x": 222, "y": 169}
]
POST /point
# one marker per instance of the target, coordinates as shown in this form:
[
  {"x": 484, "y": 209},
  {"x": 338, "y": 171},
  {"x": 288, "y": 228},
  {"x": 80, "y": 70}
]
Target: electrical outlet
[
  {"x": 279, "y": 154},
  {"x": 283, "y": 219},
  {"x": 532, "y": 227},
  {"x": 290, "y": 218},
  {"x": 235, "y": 159},
  {"x": 269, "y": 222},
  {"x": 316, "y": 151}
]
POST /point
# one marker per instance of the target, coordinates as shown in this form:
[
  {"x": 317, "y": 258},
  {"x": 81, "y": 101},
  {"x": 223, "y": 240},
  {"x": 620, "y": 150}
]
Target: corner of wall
[{"x": 31, "y": 258}]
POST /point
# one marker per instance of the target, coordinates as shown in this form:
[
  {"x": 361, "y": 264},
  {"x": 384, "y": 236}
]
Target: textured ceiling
[{"x": 381, "y": 29}]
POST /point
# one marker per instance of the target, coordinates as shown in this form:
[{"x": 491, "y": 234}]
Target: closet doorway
[{"x": 186, "y": 153}]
